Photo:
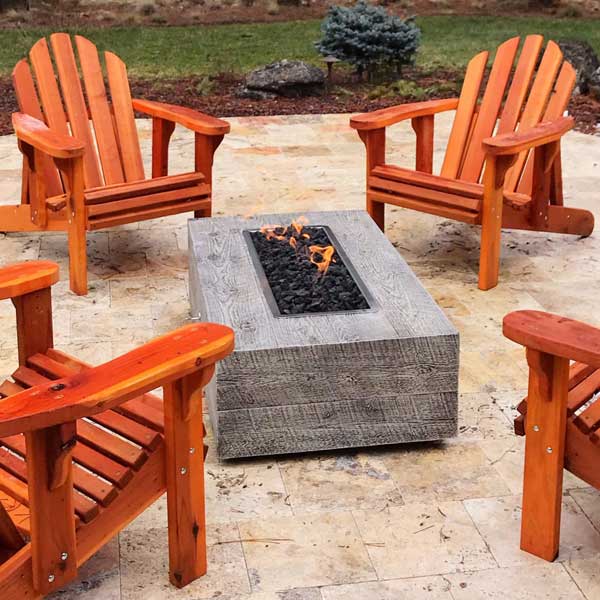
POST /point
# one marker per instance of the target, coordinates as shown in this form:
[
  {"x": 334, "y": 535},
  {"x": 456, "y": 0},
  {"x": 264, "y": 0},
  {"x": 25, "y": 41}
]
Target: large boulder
[
  {"x": 583, "y": 58},
  {"x": 290, "y": 78}
]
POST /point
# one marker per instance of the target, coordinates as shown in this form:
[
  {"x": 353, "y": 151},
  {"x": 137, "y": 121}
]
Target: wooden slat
[
  {"x": 425, "y": 195},
  {"x": 75, "y": 105},
  {"x": 48, "y": 87},
  {"x": 490, "y": 107},
  {"x": 28, "y": 377},
  {"x": 559, "y": 100},
  {"x": 124, "y": 118},
  {"x": 465, "y": 114},
  {"x": 535, "y": 106},
  {"x": 427, "y": 207},
  {"x": 141, "y": 412},
  {"x": 104, "y": 466},
  {"x": 148, "y": 202},
  {"x": 8, "y": 388},
  {"x": 110, "y": 445},
  {"x": 589, "y": 420},
  {"x": 29, "y": 103},
  {"x": 130, "y": 429},
  {"x": 520, "y": 84},
  {"x": 142, "y": 188},
  {"x": 151, "y": 213},
  {"x": 93, "y": 79},
  {"x": 583, "y": 392},
  {"x": 19, "y": 513},
  {"x": 48, "y": 367},
  {"x": 66, "y": 359}
]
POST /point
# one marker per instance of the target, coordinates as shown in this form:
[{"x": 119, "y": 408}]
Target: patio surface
[{"x": 430, "y": 521}]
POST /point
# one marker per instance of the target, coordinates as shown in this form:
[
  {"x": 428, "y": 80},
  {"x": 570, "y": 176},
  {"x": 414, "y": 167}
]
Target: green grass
[{"x": 448, "y": 41}]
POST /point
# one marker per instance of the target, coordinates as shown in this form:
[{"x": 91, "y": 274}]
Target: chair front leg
[
  {"x": 205, "y": 148},
  {"x": 423, "y": 128},
  {"x": 72, "y": 170},
  {"x": 544, "y": 453},
  {"x": 185, "y": 476},
  {"x": 374, "y": 141},
  {"x": 491, "y": 219}
]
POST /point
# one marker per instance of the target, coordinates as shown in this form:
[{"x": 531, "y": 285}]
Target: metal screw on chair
[
  {"x": 50, "y": 578},
  {"x": 183, "y": 470},
  {"x": 64, "y": 556},
  {"x": 536, "y": 427},
  {"x": 549, "y": 450},
  {"x": 192, "y": 450}
]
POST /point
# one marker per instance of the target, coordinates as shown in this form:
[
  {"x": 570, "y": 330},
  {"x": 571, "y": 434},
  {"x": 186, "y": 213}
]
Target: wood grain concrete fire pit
[{"x": 372, "y": 361}]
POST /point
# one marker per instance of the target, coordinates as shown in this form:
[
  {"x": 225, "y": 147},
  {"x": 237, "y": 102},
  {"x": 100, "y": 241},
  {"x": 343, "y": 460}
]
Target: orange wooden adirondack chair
[
  {"x": 82, "y": 163},
  {"x": 560, "y": 418},
  {"x": 512, "y": 135},
  {"x": 84, "y": 450}
]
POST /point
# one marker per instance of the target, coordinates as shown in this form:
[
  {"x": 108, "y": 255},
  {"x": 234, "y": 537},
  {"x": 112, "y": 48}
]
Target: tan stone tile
[
  {"x": 422, "y": 539},
  {"x": 121, "y": 324},
  {"x": 589, "y": 501},
  {"x": 492, "y": 371},
  {"x": 481, "y": 417},
  {"x": 145, "y": 571},
  {"x": 98, "y": 579},
  {"x": 499, "y": 522},
  {"x": 338, "y": 482},
  {"x": 586, "y": 574},
  {"x": 539, "y": 581},
  {"x": 441, "y": 472},
  {"x": 16, "y": 248},
  {"x": 421, "y": 588},
  {"x": 304, "y": 551},
  {"x": 126, "y": 293},
  {"x": 169, "y": 316},
  {"x": 243, "y": 490}
]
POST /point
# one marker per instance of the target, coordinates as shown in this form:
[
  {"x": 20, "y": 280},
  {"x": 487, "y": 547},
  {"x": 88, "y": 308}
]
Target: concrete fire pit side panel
[{"x": 322, "y": 381}]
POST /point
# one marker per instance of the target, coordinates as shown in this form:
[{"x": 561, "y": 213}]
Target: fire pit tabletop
[{"x": 318, "y": 381}]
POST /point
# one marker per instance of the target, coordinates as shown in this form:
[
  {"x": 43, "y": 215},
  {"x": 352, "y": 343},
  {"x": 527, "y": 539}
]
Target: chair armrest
[
  {"x": 388, "y": 116},
  {"x": 192, "y": 119},
  {"x": 97, "y": 389},
  {"x": 26, "y": 277},
  {"x": 513, "y": 143},
  {"x": 34, "y": 132},
  {"x": 553, "y": 334}
]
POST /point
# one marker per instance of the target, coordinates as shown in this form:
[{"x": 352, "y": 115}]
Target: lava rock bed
[{"x": 296, "y": 283}]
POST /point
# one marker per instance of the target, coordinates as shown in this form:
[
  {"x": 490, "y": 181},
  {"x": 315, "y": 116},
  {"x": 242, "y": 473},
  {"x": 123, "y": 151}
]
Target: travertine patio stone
[
  {"x": 498, "y": 520},
  {"x": 138, "y": 289}
]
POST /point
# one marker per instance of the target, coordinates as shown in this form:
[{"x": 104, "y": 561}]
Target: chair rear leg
[
  {"x": 544, "y": 454},
  {"x": 377, "y": 212}
]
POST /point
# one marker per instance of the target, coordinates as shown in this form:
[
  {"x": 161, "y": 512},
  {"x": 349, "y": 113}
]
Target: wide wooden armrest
[
  {"x": 97, "y": 389},
  {"x": 553, "y": 334},
  {"x": 192, "y": 119},
  {"x": 26, "y": 277},
  {"x": 388, "y": 116},
  {"x": 34, "y": 132},
  {"x": 513, "y": 143}
]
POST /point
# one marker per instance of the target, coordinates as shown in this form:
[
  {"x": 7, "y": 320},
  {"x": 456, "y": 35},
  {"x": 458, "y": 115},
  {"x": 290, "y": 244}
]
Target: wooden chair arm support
[
  {"x": 555, "y": 335},
  {"x": 37, "y": 134},
  {"x": 25, "y": 277},
  {"x": 189, "y": 118},
  {"x": 165, "y": 359},
  {"x": 388, "y": 116},
  {"x": 513, "y": 143}
]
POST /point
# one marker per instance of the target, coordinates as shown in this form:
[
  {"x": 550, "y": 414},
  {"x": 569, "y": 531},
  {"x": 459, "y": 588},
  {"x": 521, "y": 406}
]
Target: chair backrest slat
[
  {"x": 464, "y": 115},
  {"x": 75, "y": 105},
  {"x": 536, "y": 105},
  {"x": 559, "y": 100},
  {"x": 489, "y": 110},
  {"x": 93, "y": 80},
  {"x": 29, "y": 102},
  {"x": 124, "y": 118},
  {"x": 519, "y": 86},
  {"x": 48, "y": 87}
]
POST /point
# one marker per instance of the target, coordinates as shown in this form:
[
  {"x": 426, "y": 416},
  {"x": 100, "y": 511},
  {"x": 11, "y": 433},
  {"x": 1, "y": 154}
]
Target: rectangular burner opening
[{"x": 306, "y": 272}]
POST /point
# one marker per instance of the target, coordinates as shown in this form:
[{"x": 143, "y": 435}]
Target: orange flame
[
  {"x": 325, "y": 255},
  {"x": 274, "y": 232}
]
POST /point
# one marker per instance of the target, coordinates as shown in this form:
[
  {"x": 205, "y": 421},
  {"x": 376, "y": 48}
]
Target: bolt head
[
  {"x": 50, "y": 578},
  {"x": 536, "y": 427},
  {"x": 64, "y": 556},
  {"x": 183, "y": 470},
  {"x": 192, "y": 450},
  {"x": 549, "y": 449}
]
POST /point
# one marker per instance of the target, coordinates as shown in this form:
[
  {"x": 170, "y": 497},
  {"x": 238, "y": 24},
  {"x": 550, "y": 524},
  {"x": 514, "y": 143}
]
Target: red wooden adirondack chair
[
  {"x": 560, "y": 418},
  {"x": 84, "y": 450},
  {"x": 82, "y": 163},
  {"x": 512, "y": 135}
]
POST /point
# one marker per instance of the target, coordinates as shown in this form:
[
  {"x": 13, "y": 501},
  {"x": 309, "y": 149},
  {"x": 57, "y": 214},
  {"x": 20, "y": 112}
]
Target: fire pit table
[{"x": 338, "y": 345}]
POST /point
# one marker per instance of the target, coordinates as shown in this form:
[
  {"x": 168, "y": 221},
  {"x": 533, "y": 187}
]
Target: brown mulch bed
[{"x": 345, "y": 96}]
